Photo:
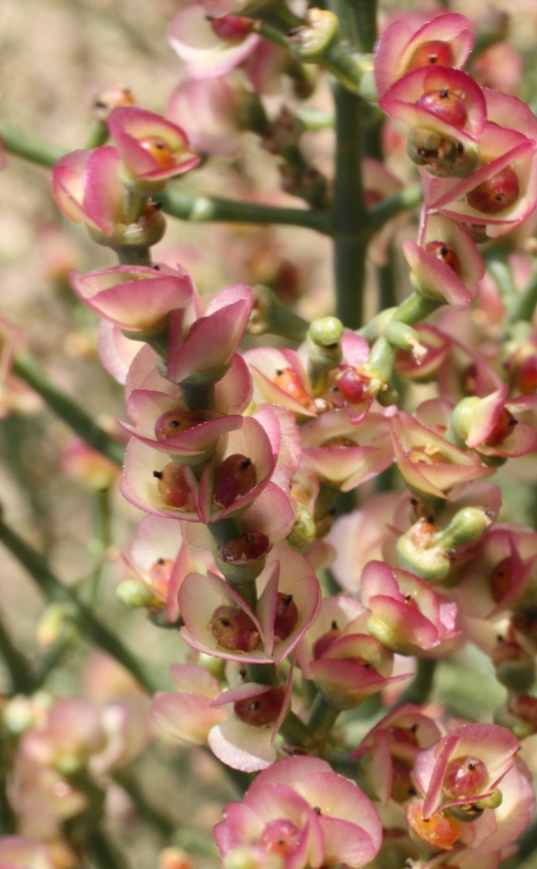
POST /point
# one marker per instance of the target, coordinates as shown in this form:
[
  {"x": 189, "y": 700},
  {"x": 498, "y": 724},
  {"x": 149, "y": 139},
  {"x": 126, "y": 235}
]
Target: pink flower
[
  {"x": 489, "y": 426},
  {"x": 209, "y": 110},
  {"x": 87, "y": 189},
  {"x": 220, "y": 623},
  {"x": 210, "y": 48},
  {"x": 415, "y": 41},
  {"x": 430, "y": 466},
  {"x": 406, "y": 614},
  {"x": 435, "y": 98},
  {"x": 302, "y": 811},
  {"x": 152, "y": 148},
  {"x": 446, "y": 264},
  {"x": 388, "y": 752},
  {"x": 203, "y": 352},
  {"x": 136, "y": 298}
]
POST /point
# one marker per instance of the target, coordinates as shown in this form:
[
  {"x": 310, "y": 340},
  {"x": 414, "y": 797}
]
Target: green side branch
[{"x": 86, "y": 622}]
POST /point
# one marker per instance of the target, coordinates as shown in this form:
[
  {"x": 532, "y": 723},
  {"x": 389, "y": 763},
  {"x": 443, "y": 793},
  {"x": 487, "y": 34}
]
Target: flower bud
[
  {"x": 417, "y": 554},
  {"x": 111, "y": 99},
  {"x": 135, "y": 594},
  {"x": 303, "y": 532},
  {"x": 515, "y": 667},
  {"x": 310, "y": 41},
  {"x": 467, "y": 526}
]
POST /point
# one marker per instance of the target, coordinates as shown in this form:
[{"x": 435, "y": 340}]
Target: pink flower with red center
[
  {"x": 209, "y": 110},
  {"x": 438, "y": 99},
  {"x": 502, "y": 193},
  {"x": 429, "y": 464},
  {"x": 220, "y": 623},
  {"x": 188, "y": 713},
  {"x": 406, "y": 614},
  {"x": 203, "y": 351},
  {"x": 87, "y": 189},
  {"x": 281, "y": 378},
  {"x": 445, "y": 265},
  {"x": 18, "y": 851},
  {"x": 344, "y": 454},
  {"x": 152, "y": 148},
  {"x": 415, "y": 41},
  {"x": 245, "y": 738},
  {"x": 388, "y": 752},
  {"x": 343, "y": 661},
  {"x": 302, "y": 811},
  {"x": 211, "y": 47},
  {"x": 238, "y": 471},
  {"x": 465, "y": 767},
  {"x": 502, "y": 574},
  {"x": 135, "y": 298}
]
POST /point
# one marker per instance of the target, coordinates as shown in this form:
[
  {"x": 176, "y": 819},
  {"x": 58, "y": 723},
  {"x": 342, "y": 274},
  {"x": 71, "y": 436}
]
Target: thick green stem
[
  {"x": 30, "y": 147},
  {"x": 20, "y": 673},
  {"x": 383, "y": 211},
  {"x": 323, "y": 715},
  {"x": 86, "y": 622},
  {"x": 102, "y": 850},
  {"x": 420, "y": 688},
  {"x": 363, "y": 13},
  {"x": 27, "y": 368},
  {"x": 349, "y": 209},
  {"x": 200, "y": 209}
]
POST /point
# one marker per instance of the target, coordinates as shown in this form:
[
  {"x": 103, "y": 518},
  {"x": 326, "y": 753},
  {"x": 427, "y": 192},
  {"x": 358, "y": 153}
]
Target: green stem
[
  {"x": 349, "y": 209},
  {"x": 322, "y": 715},
  {"x": 364, "y": 16},
  {"x": 27, "y": 368},
  {"x": 383, "y": 211},
  {"x": 103, "y": 851},
  {"x": 101, "y": 541},
  {"x": 132, "y": 255},
  {"x": 200, "y": 209},
  {"x": 295, "y": 732},
  {"x": 164, "y": 825},
  {"x": 86, "y": 622},
  {"x": 97, "y": 135},
  {"x": 419, "y": 690},
  {"x": 20, "y": 673},
  {"x": 523, "y": 305},
  {"x": 30, "y": 147},
  {"x": 195, "y": 842}
]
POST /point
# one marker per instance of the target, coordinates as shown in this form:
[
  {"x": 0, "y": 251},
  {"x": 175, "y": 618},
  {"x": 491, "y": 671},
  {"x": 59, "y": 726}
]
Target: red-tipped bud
[
  {"x": 465, "y": 777},
  {"x": 496, "y": 194},
  {"x": 174, "y": 422},
  {"x": 286, "y": 617},
  {"x": 445, "y": 254},
  {"x": 261, "y": 710},
  {"x": 235, "y": 476},
  {"x": 446, "y": 105},
  {"x": 432, "y": 53},
  {"x": 173, "y": 487},
  {"x": 233, "y": 629},
  {"x": 111, "y": 99}
]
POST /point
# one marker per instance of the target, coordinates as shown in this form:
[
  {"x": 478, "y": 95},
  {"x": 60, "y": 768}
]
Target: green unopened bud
[
  {"x": 431, "y": 563},
  {"x": 310, "y": 41},
  {"x": 405, "y": 337},
  {"x": 303, "y": 532},
  {"x": 324, "y": 350},
  {"x": 56, "y": 622},
  {"x": 467, "y": 812},
  {"x": 135, "y": 594},
  {"x": 388, "y": 395},
  {"x": 467, "y": 526},
  {"x": 461, "y": 419}
]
